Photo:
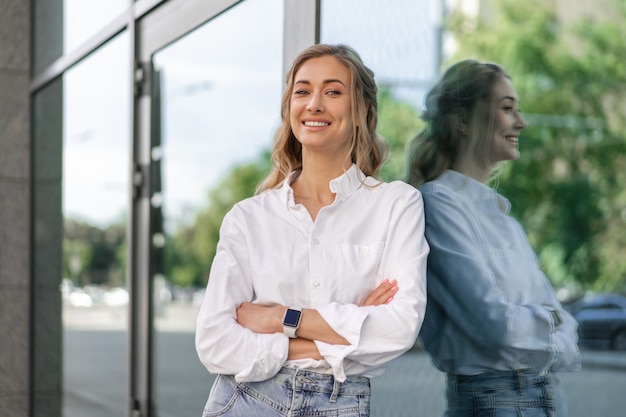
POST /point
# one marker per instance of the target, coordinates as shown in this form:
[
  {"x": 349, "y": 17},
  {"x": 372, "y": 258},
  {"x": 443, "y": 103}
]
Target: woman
[
  {"x": 493, "y": 322},
  {"x": 319, "y": 279}
]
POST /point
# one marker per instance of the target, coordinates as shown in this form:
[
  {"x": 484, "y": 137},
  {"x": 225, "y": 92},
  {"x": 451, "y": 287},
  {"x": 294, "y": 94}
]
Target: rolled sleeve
[
  {"x": 222, "y": 344},
  {"x": 378, "y": 334},
  {"x": 347, "y": 320}
]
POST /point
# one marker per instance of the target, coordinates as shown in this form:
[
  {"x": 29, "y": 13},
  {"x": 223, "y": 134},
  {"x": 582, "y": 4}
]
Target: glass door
[
  {"x": 96, "y": 144},
  {"x": 215, "y": 96}
]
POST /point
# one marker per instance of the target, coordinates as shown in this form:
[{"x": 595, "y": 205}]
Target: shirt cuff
[
  {"x": 271, "y": 355},
  {"x": 347, "y": 320}
]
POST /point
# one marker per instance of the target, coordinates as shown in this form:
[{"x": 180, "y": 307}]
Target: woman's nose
[{"x": 315, "y": 103}]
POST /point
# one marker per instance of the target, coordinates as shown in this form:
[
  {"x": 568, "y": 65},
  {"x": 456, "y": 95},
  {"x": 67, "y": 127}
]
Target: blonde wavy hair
[{"x": 367, "y": 149}]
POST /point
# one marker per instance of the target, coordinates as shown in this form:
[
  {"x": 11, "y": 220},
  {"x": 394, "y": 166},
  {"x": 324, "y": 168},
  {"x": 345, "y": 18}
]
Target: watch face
[{"x": 292, "y": 317}]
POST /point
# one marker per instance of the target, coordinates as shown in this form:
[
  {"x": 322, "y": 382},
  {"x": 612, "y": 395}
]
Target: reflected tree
[{"x": 569, "y": 187}]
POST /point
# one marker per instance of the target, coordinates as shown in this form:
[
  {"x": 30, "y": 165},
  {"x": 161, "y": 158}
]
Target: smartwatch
[
  {"x": 556, "y": 318},
  {"x": 291, "y": 321}
]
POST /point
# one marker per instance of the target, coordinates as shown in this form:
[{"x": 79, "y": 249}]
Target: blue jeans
[
  {"x": 505, "y": 394},
  {"x": 292, "y": 392}
]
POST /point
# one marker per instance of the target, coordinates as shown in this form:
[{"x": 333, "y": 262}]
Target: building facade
[
  {"x": 94, "y": 96},
  {"x": 119, "y": 119}
]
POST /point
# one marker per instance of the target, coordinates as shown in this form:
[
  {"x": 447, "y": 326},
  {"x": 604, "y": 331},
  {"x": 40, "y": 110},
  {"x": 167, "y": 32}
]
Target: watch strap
[{"x": 291, "y": 321}]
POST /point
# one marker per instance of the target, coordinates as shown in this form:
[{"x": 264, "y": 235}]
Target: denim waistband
[
  {"x": 306, "y": 380},
  {"x": 500, "y": 380}
]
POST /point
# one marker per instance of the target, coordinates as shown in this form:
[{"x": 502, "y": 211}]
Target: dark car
[{"x": 601, "y": 321}]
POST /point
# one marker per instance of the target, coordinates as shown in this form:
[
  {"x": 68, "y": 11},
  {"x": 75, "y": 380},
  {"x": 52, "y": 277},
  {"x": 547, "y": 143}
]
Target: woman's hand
[
  {"x": 383, "y": 294},
  {"x": 260, "y": 318}
]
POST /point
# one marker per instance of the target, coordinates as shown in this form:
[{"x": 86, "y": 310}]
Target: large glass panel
[
  {"x": 47, "y": 329},
  {"x": 220, "y": 91},
  {"x": 401, "y": 45},
  {"x": 96, "y": 161},
  {"x": 82, "y": 19}
]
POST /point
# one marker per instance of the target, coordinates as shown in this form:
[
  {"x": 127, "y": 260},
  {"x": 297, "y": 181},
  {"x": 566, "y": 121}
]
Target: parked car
[{"x": 601, "y": 321}]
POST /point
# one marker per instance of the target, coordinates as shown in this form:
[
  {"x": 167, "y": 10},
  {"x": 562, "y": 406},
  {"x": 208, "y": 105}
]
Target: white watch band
[{"x": 291, "y": 321}]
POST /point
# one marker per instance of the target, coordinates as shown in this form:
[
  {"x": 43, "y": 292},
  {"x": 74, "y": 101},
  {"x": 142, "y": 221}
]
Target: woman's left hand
[{"x": 383, "y": 294}]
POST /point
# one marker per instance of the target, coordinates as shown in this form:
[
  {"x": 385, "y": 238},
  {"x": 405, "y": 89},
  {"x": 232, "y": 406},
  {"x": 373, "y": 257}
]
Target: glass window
[
  {"x": 220, "y": 92},
  {"x": 400, "y": 44},
  {"x": 96, "y": 161},
  {"x": 403, "y": 45},
  {"x": 83, "y": 19},
  {"x": 46, "y": 248}
]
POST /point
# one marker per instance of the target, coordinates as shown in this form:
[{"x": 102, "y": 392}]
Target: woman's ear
[{"x": 460, "y": 122}]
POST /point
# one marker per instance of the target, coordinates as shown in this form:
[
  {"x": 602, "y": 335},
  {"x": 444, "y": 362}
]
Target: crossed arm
[{"x": 268, "y": 319}]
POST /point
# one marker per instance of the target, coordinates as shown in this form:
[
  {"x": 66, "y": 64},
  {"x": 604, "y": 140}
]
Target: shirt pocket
[
  {"x": 358, "y": 266},
  {"x": 511, "y": 272}
]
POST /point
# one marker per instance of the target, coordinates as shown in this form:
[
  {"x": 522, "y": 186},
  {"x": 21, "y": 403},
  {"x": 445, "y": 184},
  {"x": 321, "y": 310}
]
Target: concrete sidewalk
[{"x": 603, "y": 359}]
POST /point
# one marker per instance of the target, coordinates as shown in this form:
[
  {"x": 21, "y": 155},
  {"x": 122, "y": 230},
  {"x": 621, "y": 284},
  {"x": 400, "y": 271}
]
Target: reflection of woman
[
  {"x": 319, "y": 280},
  {"x": 493, "y": 323}
]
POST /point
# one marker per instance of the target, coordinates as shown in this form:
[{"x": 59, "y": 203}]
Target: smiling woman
[{"x": 285, "y": 322}]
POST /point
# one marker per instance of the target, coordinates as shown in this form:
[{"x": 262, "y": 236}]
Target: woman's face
[
  {"x": 320, "y": 105},
  {"x": 508, "y": 122}
]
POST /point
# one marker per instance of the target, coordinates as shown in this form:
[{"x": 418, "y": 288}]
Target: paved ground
[
  {"x": 95, "y": 380},
  {"x": 95, "y": 375}
]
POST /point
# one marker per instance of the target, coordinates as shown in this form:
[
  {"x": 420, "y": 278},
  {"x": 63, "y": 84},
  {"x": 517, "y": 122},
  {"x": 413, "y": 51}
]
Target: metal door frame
[{"x": 156, "y": 24}]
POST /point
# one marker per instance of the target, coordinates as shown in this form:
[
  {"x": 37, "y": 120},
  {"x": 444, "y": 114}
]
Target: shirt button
[
  {"x": 316, "y": 241},
  {"x": 317, "y": 284},
  {"x": 365, "y": 249}
]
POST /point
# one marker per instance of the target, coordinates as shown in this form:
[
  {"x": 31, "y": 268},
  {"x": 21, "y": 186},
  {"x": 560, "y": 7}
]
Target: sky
[{"x": 221, "y": 100}]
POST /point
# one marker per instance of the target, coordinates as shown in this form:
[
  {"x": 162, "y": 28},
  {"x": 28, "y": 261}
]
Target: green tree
[
  {"x": 568, "y": 188},
  {"x": 398, "y": 122},
  {"x": 92, "y": 255},
  {"x": 190, "y": 252}
]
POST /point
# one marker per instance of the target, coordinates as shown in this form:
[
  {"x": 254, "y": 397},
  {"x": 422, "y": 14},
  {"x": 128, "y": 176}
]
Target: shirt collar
[
  {"x": 474, "y": 190},
  {"x": 344, "y": 185}
]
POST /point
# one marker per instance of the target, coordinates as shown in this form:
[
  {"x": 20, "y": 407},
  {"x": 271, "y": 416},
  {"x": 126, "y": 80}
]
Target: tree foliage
[
  {"x": 92, "y": 255},
  {"x": 568, "y": 188},
  {"x": 190, "y": 251},
  {"x": 398, "y": 121}
]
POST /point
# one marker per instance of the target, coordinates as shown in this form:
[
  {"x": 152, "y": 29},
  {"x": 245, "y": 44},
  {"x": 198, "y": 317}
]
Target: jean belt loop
[
  {"x": 521, "y": 381},
  {"x": 452, "y": 384},
  {"x": 335, "y": 393}
]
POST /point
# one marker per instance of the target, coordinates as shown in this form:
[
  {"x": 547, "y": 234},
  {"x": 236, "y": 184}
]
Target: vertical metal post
[
  {"x": 299, "y": 30},
  {"x": 139, "y": 277}
]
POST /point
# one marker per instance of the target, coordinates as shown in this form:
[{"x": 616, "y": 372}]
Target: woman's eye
[
  {"x": 300, "y": 92},
  {"x": 333, "y": 92}
]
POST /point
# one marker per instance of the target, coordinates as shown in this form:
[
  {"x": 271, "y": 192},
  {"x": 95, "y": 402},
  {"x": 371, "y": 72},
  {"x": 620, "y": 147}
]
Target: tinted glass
[
  {"x": 220, "y": 102},
  {"x": 96, "y": 160},
  {"x": 82, "y": 19},
  {"x": 400, "y": 44}
]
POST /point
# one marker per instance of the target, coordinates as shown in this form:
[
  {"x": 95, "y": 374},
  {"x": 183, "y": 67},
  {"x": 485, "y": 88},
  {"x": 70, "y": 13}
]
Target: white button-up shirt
[
  {"x": 488, "y": 301},
  {"x": 272, "y": 252}
]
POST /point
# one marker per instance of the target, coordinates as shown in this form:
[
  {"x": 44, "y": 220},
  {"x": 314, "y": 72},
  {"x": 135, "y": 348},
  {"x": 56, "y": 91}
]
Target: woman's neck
[
  {"x": 469, "y": 167},
  {"x": 311, "y": 188}
]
